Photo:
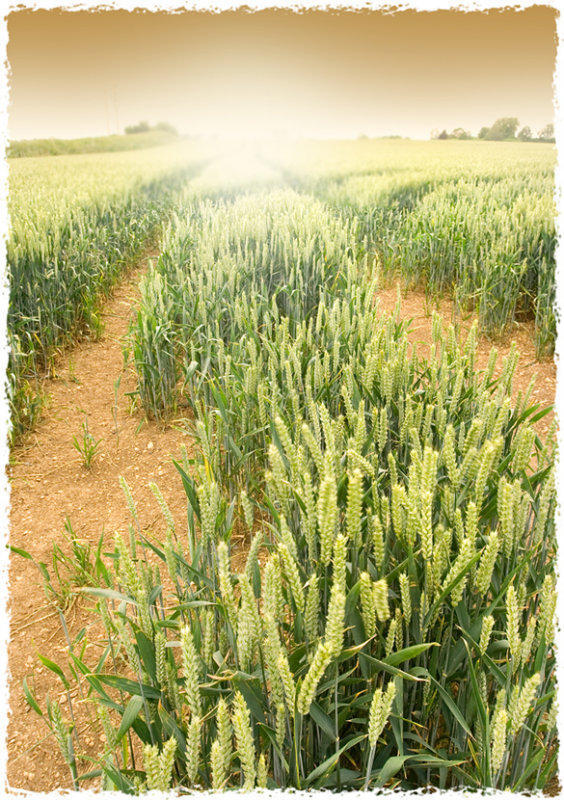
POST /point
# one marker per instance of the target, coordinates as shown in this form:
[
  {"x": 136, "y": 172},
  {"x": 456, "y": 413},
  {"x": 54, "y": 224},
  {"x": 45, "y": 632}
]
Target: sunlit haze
[{"x": 278, "y": 73}]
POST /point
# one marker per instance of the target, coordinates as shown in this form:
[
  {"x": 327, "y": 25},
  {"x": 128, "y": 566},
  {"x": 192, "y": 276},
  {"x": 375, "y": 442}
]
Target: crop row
[
  {"x": 476, "y": 222},
  {"x": 76, "y": 222}
]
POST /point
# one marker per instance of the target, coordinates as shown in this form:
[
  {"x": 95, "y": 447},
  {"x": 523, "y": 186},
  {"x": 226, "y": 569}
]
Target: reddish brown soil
[
  {"x": 415, "y": 306},
  {"x": 49, "y": 483}
]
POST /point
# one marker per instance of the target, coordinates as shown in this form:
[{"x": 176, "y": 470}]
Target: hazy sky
[{"x": 312, "y": 74}]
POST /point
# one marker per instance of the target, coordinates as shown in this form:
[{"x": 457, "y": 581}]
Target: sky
[{"x": 313, "y": 74}]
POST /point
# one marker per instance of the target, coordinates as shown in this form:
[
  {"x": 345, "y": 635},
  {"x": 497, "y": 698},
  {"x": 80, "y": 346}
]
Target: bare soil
[
  {"x": 49, "y": 483},
  {"x": 418, "y": 309}
]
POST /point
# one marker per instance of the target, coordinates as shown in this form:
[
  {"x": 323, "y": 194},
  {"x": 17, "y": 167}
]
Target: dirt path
[
  {"x": 49, "y": 483},
  {"x": 415, "y": 307}
]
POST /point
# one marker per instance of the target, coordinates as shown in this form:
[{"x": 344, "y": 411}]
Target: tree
[
  {"x": 141, "y": 127},
  {"x": 144, "y": 127},
  {"x": 483, "y": 133},
  {"x": 547, "y": 133},
  {"x": 460, "y": 133},
  {"x": 166, "y": 127},
  {"x": 525, "y": 134},
  {"x": 443, "y": 135},
  {"x": 503, "y": 128}
]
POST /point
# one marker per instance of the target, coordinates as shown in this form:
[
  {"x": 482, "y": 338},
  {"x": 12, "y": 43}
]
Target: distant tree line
[
  {"x": 503, "y": 129},
  {"x": 144, "y": 127}
]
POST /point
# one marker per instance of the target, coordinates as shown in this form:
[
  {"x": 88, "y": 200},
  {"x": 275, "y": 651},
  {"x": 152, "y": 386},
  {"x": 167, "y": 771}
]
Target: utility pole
[
  {"x": 116, "y": 110},
  {"x": 107, "y": 105}
]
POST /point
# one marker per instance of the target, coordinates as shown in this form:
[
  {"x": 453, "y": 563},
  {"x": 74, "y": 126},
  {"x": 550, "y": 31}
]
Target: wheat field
[{"x": 393, "y": 623}]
